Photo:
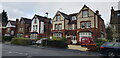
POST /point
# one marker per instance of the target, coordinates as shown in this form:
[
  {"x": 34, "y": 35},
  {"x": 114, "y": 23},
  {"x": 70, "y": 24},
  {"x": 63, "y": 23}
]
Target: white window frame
[{"x": 85, "y": 13}]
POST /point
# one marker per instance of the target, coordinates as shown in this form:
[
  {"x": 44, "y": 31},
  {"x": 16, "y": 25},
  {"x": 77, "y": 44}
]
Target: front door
[{"x": 74, "y": 40}]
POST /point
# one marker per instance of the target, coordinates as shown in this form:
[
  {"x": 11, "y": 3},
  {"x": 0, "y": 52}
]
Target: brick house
[
  {"x": 115, "y": 24},
  {"x": 10, "y": 28},
  {"x": 64, "y": 25},
  {"x": 23, "y": 27},
  {"x": 86, "y": 23},
  {"x": 90, "y": 24},
  {"x": 40, "y": 27}
]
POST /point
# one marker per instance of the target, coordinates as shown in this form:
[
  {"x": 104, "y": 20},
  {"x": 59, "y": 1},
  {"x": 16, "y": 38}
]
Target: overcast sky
[{"x": 28, "y": 9}]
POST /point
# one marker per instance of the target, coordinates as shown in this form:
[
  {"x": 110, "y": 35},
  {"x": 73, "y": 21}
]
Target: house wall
[
  {"x": 61, "y": 21},
  {"x": 32, "y": 23}
]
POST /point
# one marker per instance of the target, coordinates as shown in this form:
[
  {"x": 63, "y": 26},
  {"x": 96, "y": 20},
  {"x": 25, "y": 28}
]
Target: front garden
[{"x": 55, "y": 42}]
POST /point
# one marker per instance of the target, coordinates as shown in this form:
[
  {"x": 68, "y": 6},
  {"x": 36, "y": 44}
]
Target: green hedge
[
  {"x": 21, "y": 41},
  {"x": 55, "y": 43},
  {"x": 7, "y": 38}
]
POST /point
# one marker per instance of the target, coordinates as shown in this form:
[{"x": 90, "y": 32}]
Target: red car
[{"x": 87, "y": 41}]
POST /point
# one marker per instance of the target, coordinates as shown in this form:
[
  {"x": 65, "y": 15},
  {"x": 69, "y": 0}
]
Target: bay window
[{"x": 85, "y": 25}]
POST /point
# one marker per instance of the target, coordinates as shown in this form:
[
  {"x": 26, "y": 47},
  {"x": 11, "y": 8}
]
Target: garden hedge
[
  {"x": 7, "y": 38},
  {"x": 21, "y": 41},
  {"x": 54, "y": 43}
]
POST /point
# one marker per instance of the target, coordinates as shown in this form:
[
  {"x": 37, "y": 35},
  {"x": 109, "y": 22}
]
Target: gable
[
  {"x": 90, "y": 12},
  {"x": 61, "y": 16},
  {"x": 9, "y": 25},
  {"x": 21, "y": 21},
  {"x": 35, "y": 21}
]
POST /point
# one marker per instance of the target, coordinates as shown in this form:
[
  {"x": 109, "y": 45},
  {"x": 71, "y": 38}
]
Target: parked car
[
  {"x": 38, "y": 42},
  {"x": 110, "y": 49},
  {"x": 85, "y": 41}
]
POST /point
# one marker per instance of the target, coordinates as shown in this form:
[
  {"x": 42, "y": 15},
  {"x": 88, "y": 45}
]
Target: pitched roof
[
  {"x": 64, "y": 15},
  {"x": 12, "y": 22},
  {"x": 115, "y": 17},
  {"x": 44, "y": 19},
  {"x": 69, "y": 17},
  {"x": 26, "y": 20}
]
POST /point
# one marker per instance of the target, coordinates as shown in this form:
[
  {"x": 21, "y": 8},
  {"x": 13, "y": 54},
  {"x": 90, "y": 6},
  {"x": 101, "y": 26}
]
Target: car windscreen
[{"x": 108, "y": 44}]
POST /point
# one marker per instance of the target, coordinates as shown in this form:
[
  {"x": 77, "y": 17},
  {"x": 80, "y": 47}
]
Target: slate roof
[
  {"x": 44, "y": 19},
  {"x": 12, "y": 22},
  {"x": 69, "y": 17},
  {"x": 115, "y": 17},
  {"x": 26, "y": 20},
  {"x": 64, "y": 15}
]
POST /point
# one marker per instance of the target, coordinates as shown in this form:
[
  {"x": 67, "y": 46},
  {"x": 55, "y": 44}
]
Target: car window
[
  {"x": 108, "y": 44},
  {"x": 117, "y": 45}
]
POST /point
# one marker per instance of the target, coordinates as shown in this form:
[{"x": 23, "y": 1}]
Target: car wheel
[{"x": 111, "y": 54}]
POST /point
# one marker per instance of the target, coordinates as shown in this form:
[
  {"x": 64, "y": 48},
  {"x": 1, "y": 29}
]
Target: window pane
[{"x": 85, "y": 13}]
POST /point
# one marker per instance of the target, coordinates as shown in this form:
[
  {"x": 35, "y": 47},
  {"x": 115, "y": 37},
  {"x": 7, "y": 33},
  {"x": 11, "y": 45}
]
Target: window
[
  {"x": 85, "y": 13},
  {"x": 88, "y": 24},
  {"x": 21, "y": 29},
  {"x": 56, "y": 27},
  {"x": 33, "y": 36},
  {"x": 73, "y": 17},
  {"x": 83, "y": 25},
  {"x": 58, "y": 17},
  {"x": 70, "y": 27},
  {"x": 12, "y": 32},
  {"x": 60, "y": 27},
  {"x": 8, "y": 30},
  {"x": 58, "y": 35},
  {"x": 35, "y": 21},
  {"x": 34, "y": 28}
]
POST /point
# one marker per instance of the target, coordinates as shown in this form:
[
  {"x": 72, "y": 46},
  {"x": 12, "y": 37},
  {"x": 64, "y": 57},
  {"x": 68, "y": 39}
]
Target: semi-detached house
[{"x": 85, "y": 23}]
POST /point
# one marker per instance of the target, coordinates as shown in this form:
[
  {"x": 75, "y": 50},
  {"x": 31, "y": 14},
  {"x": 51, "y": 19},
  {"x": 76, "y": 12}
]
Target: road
[{"x": 29, "y": 51}]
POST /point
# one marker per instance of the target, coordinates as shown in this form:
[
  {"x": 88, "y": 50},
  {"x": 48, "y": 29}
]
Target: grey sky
[{"x": 28, "y": 9}]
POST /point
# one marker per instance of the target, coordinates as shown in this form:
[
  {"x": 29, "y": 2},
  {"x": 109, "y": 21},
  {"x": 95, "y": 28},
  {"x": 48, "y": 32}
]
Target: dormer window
[
  {"x": 58, "y": 17},
  {"x": 85, "y": 13},
  {"x": 73, "y": 17}
]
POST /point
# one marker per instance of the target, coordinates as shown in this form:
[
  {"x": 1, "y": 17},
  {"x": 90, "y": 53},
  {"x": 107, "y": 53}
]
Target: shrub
[
  {"x": 21, "y": 41},
  {"x": 64, "y": 39},
  {"x": 7, "y": 38},
  {"x": 55, "y": 38},
  {"x": 55, "y": 43}
]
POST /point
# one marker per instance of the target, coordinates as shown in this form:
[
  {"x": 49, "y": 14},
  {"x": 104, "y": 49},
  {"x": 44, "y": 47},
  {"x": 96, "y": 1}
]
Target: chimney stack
[
  {"x": 97, "y": 12},
  {"x": 46, "y": 14}
]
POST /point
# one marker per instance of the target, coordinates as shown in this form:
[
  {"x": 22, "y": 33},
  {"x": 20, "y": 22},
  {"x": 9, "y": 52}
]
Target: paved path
[{"x": 77, "y": 47}]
